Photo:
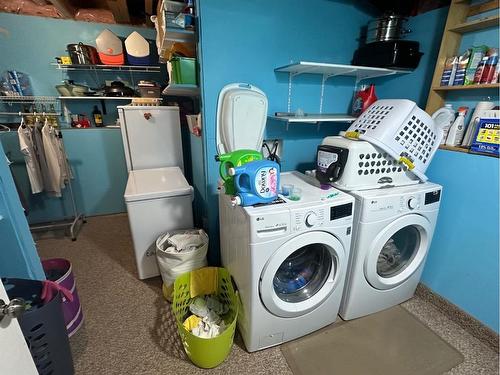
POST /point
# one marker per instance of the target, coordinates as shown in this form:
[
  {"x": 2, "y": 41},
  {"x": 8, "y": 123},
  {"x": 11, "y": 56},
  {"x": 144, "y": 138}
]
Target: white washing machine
[
  {"x": 393, "y": 230},
  {"x": 288, "y": 260}
]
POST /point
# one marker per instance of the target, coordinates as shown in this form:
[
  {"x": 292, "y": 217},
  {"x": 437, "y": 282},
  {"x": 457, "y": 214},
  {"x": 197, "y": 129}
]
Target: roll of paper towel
[{"x": 474, "y": 120}]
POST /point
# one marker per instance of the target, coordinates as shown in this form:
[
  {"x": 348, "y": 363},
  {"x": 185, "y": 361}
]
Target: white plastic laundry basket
[
  {"x": 173, "y": 264},
  {"x": 402, "y": 129}
]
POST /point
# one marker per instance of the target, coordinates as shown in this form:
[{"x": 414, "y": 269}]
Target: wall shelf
[
  {"x": 110, "y": 68},
  {"x": 475, "y": 25},
  {"x": 179, "y": 35},
  {"x": 315, "y": 118},
  {"x": 465, "y": 150},
  {"x": 468, "y": 87},
  {"x": 331, "y": 70},
  {"x": 327, "y": 70},
  {"x": 181, "y": 90},
  {"x": 28, "y": 99}
]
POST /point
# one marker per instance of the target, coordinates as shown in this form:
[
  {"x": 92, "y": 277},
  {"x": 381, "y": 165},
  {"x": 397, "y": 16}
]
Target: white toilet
[{"x": 158, "y": 197}]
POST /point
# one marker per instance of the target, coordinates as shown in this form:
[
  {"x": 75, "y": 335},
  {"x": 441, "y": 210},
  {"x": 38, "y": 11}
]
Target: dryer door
[
  {"x": 302, "y": 273},
  {"x": 398, "y": 251}
]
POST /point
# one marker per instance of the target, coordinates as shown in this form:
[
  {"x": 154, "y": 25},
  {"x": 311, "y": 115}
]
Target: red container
[
  {"x": 363, "y": 99},
  {"x": 61, "y": 272}
]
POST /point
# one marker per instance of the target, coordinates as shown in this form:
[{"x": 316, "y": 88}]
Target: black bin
[{"x": 43, "y": 328}]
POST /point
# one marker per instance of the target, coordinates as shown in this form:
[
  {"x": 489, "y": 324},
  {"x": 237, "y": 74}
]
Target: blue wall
[
  {"x": 96, "y": 155},
  {"x": 462, "y": 265},
  {"x": 18, "y": 256},
  {"x": 263, "y": 36}
]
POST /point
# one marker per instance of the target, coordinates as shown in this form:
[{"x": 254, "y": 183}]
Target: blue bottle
[{"x": 256, "y": 182}]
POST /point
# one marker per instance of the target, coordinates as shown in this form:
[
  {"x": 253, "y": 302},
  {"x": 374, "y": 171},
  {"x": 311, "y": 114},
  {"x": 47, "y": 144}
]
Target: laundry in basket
[{"x": 178, "y": 252}]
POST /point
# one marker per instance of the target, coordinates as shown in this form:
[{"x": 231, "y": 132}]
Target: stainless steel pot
[
  {"x": 388, "y": 27},
  {"x": 82, "y": 54}
]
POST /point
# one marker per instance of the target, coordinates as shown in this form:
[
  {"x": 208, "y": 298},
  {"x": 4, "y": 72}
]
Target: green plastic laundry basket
[
  {"x": 206, "y": 353},
  {"x": 183, "y": 70}
]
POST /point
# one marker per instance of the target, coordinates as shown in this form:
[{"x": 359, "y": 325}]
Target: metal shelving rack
[
  {"x": 110, "y": 68},
  {"x": 39, "y": 103}
]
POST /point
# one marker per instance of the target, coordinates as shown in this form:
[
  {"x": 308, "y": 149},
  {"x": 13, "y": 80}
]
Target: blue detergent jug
[{"x": 256, "y": 182}]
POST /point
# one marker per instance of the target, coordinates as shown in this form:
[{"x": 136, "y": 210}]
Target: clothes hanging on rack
[
  {"x": 36, "y": 132},
  {"x": 56, "y": 161},
  {"x": 45, "y": 157},
  {"x": 32, "y": 163}
]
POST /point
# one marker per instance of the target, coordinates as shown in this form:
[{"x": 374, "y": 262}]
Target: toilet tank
[{"x": 151, "y": 136}]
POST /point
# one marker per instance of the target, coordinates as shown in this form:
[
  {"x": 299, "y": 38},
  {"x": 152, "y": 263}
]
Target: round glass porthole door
[
  {"x": 302, "y": 273},
  {"x": 397, "y": 252}
]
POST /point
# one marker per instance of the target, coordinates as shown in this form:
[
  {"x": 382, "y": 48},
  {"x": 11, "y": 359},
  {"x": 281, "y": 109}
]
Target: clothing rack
[{"x": 75, "y": 222}]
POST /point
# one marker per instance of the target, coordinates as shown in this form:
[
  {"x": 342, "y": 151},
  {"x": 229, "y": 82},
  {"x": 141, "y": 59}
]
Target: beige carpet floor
[{"x": 129, "y": 328}]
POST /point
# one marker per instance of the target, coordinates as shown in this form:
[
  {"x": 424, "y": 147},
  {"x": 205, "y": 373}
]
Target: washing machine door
[
  {"x": 398, "y": 251},
  {"x": 302, "y": 273}
]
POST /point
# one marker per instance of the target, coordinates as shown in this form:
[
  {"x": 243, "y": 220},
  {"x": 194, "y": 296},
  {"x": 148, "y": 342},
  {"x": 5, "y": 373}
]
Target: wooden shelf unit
[
  {"x": 466, "y": 88},
  {"x": 475, "y": 25},
  {"x": 465, "y": 150},
  {"x": 456, "y": 25}
]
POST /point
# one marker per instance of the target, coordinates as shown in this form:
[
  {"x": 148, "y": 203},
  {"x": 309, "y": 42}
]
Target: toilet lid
[
  {"x": 241, "y": 118},
  {"x": 145, "y": 184}
]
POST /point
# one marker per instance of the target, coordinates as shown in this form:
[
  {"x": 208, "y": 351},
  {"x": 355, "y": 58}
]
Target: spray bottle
[{"x": 456, "y": 133}]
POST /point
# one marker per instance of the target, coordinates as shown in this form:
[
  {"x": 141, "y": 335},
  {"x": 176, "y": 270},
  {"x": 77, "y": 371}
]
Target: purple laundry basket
[{"x": 60, "y": 271}]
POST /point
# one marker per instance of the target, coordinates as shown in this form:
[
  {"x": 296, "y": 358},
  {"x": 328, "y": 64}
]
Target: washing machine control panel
[
  {"x": 409, "y": 203},
  {"x": 308, "y": 218}
]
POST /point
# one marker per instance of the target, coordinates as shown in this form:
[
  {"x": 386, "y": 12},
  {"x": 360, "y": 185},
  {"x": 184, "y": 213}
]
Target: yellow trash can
[{"x": 203, "y": 352}]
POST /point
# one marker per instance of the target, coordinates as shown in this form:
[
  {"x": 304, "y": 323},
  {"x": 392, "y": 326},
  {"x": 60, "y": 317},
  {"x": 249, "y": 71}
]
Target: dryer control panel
[{"x": 308, "y": 218}]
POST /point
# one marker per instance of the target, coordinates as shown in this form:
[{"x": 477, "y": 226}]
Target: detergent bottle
[
  {"x": 234, "y": 159},
  {"x": 255, "y": 182}
]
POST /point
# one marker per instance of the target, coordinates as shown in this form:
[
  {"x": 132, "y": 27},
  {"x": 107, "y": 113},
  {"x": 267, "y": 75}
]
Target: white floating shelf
[
  {"x": 110, "y": 68},
  {"x": 360, "y": 72},
  {"x": 181, "y": 90},
  {"x": 315, "y": 118}
]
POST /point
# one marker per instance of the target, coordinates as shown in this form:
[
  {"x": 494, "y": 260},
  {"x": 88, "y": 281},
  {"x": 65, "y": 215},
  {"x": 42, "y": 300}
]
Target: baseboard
[{"x": 464, "y": 320}]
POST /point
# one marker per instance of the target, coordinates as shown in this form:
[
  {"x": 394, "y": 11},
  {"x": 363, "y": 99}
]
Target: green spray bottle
[{"x": 234, "y": 159}]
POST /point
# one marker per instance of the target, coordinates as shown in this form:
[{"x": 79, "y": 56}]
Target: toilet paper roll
[{"x": 474, "y": 120}]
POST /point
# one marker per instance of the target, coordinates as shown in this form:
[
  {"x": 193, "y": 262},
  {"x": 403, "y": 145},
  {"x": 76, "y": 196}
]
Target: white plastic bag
[{"x": 173, "y": 263}]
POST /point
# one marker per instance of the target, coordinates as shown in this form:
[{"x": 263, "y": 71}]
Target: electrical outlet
[{"x": 271, "y": 144}]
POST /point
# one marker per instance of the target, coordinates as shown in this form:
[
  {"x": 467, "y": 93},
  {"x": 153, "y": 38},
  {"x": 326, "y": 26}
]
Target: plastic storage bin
[
  {"x": 60, "y": 271},
  {"x": 206, "y": 353},
  {"x": 402, "y": 129},
  {"x": 183, "y": 70},
  {"x": 43, "y": 328}
]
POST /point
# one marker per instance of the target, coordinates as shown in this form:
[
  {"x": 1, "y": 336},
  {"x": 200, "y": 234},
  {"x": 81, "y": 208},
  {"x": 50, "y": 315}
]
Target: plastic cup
[
  {"x": 286, "y": 189},
  {"x": 295, "y": 194}
]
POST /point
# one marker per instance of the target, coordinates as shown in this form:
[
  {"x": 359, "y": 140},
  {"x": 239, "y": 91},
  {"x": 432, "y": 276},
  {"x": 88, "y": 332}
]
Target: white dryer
[
  {"x": 288, "y": 260},
  {"x": 392, "y": 233}
]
